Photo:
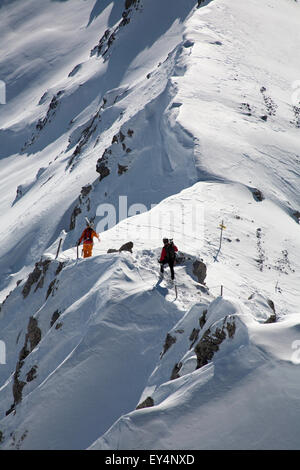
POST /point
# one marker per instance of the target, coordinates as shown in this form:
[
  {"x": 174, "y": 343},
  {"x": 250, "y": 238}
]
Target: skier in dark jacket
[{"x": 168, "y": 256}]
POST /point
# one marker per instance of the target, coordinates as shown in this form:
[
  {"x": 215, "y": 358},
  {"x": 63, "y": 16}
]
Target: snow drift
[{"x": 176, "y": 119}]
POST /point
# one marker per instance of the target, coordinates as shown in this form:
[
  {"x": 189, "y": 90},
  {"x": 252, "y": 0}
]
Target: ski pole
[{"x": 58, "y": 248}]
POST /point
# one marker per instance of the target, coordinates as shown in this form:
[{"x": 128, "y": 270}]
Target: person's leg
[
  {"x": 84, "y": 251},
  {"x": 171, "y": 264},
  {"x": 90, "y": 250},
  {"x": 87, "y": 250},
  {"x": 162, "y": 266}
]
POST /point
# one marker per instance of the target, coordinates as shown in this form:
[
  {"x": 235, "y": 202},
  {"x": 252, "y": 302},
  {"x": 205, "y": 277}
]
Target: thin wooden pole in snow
[
  {"x": 58, "y": 248},
  {"x": 222, "y": 227},
  {"x": 176, "y": 292}
]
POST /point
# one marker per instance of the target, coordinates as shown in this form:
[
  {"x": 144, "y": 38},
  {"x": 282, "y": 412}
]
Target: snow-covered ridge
[
  {"x": 113, "y": 327},
  {"x": 234, "y": 401},
  {"x": 76, "y": 121},
  {"x": 118, "y": 311}
]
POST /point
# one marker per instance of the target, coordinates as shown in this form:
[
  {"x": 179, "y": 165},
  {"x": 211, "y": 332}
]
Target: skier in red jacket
[{"x": 168, "y": 256}]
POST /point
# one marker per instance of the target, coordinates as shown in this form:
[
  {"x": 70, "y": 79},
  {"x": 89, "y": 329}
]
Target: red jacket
[
  {"x": 87, "y": 236},
  {"x": 164, "y": 254}
]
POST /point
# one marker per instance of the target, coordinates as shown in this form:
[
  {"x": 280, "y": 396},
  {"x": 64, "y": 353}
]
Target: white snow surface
[{"x": 194, "y": 112}]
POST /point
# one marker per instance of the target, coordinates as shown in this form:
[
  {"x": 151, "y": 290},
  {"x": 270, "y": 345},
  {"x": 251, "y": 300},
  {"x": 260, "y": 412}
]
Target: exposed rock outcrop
[
  {"x": 101, "y": 166},
  {"x": 83, "y": 202},
  {"x": 146, "y": 403},
  {"x": 122, "y": 169},
  {"x": 31, "y": 375},
  {"x": 38, "y": 274},
  {"x": 194, "y": 336},
  {"x": 32, "y": 339},
  {"x": 202, "y": 319},
  {"x": 126, "y": 247},
  {"x": 42, "y": 122},
  {"x": 52, "y": 288},
  {"x": 168, "y": 343},
  {"x": 296, "y": 216},
  {"x": 210, "y": 342},
  {"x": 55, "y": 317},
  {"x": 199, "y": 270},
  {"x": 110, "y": 35},
  {"x": 175, "y": 371},
  {"x": 272, "y": 318},
  {"x": 257, "y": 194}
]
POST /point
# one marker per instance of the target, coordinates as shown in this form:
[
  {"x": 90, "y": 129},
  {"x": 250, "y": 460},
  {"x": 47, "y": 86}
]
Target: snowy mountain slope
[
  {"x": 85, "y": 366},
  {"x": 52, "y": 181},
  {"x": 247, "y": 73},
  {"x": 256, "y": 253},
  {"x": 113, "y": 306},
  {"x": 197, "y": 117},
  {"x": 237, "y": 401}
]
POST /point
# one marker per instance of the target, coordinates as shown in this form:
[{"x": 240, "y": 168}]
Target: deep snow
[{"x": 193, "y": 112}]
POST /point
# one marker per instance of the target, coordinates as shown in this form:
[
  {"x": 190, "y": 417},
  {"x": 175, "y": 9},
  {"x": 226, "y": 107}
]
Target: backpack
[{"x": 170, "y": 252}]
